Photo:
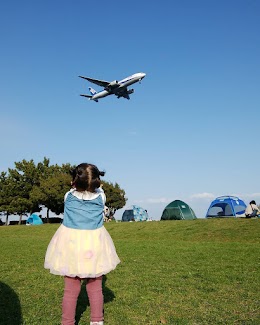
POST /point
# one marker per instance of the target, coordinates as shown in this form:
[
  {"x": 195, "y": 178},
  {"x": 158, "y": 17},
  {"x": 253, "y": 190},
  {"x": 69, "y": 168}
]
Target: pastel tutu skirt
[{"x": 81, "y": 253}]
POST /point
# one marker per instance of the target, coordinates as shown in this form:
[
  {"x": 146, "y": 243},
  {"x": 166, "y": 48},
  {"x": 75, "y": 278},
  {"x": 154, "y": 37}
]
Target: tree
[
  {"x": 115, "y": 197},
  {"x": 29, "y": 186},
  {"x": 50, "y": 191},
  {"x": 6, "y": 196},
  {"x": 25, "y": 176},
  {"x": 17, "y": 185}
]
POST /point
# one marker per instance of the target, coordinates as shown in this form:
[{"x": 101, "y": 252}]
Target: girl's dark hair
[
  {"x": 252, "y": 202},
  {"x": 86, "y": 177}
]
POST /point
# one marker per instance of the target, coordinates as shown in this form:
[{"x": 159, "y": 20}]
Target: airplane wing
[{"x": 101, "y": 83}]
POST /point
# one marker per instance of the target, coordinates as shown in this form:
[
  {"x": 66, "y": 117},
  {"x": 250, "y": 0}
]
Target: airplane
[{"x": 118, "y": 88}]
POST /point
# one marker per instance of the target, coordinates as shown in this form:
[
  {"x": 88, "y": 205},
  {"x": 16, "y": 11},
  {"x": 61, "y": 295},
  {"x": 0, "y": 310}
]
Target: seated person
[{"x": 252, "y": 210}]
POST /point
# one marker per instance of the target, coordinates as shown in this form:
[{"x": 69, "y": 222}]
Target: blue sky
[{"x": 189, "y": 131}]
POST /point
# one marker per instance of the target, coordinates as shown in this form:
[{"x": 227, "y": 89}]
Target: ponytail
[{"x": 86, "y": 177}]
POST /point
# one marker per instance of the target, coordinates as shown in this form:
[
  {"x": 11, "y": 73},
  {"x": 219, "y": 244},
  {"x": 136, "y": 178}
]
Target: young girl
[{"x": 81, "y": 248}]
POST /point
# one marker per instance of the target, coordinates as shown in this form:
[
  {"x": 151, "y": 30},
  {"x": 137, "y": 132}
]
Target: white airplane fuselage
[{"x": 121, "y": 84}]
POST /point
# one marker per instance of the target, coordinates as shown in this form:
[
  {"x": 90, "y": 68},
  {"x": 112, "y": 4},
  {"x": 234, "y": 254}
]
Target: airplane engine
[
  {"x": 130, "y": 91},
  {"x": 113, "y": 84}
]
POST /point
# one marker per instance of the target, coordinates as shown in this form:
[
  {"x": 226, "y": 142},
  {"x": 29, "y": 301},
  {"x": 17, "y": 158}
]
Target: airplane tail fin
[
  {"x": 89, "y": 97},
  {"x": 92, "y": 91}
]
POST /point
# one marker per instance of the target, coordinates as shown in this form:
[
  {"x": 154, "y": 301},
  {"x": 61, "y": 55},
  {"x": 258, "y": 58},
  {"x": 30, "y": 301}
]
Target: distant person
[
  {"x": 82, "y": 248},
  {"x": 106, "y": 214},
  {"x": 252, "y": 210}
]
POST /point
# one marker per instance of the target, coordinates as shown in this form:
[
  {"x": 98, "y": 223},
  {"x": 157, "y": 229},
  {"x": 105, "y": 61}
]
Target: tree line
[{"x": 29, "y": 187}]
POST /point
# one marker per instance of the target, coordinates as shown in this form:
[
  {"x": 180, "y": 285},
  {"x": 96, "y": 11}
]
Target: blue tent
[
  {"x": 135, "y": 213},
  {"x": 34, "y": 220},
  {"x": 226, "y": 206}
]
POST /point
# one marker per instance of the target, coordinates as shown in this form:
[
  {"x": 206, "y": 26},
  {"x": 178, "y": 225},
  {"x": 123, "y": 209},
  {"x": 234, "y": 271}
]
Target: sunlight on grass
[{"x": 172, "y": 272}]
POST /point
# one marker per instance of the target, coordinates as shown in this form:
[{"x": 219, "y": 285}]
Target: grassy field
[{"x": 172, "y": 272}]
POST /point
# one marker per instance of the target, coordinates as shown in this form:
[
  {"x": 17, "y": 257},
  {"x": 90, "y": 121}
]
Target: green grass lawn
[{"x": 172, "y": 272}]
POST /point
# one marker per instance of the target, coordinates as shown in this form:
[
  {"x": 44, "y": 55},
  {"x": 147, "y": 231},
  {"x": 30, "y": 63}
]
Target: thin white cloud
[
  {"x": 159, "y": 200},
  {"x": 132, "y": 133},
  {"x": 255, "y": 194},
  {"x": 199, "y": 197},
  {"x": 211, "y": 196},
  {"x": 154, "y": 200},
  {"x": 204, "y": 195},
  {"x": 248, "y": 195}
]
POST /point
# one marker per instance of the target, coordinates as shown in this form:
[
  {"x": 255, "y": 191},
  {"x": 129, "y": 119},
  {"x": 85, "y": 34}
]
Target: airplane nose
[{"x": 143, "y": 75}]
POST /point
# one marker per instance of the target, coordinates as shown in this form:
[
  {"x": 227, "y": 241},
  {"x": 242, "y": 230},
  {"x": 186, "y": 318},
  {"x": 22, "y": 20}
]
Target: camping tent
[
  {"x": 135, "y": 213},
  {"x": 226, "y": 206},
  {"x": 34, "y": 220},
  {"x": 178, "y": 210}
]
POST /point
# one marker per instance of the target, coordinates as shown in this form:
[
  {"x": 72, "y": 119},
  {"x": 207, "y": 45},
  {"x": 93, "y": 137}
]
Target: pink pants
[{"x": 71, "y": 293}]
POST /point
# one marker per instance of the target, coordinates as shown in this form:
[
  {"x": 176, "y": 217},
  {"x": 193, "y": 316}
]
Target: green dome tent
[{"x": 178, "y": 210}]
